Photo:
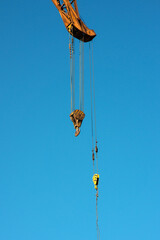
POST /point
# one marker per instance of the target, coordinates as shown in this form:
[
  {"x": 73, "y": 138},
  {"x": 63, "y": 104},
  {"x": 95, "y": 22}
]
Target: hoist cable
[
  {"x": 91, "y": 97},
  {"x": 83, "y": 76},
  {"x": 97, "y": 226},
  {"x": 93, "y": 118},
  {"x": 94, "y": 95},
  {"x": 71, "y": 83},
  {"x": 96, "y": 150},
  {"x": 80, "y": 75},
  {"x": 94, "y": 110},
  {"x": 73, "y": 73},
  {"x": 90, "y": 63}
]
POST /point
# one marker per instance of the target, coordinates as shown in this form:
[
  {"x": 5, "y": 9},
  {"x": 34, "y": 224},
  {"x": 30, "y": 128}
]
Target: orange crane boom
[{"x": 68, "y": 10}]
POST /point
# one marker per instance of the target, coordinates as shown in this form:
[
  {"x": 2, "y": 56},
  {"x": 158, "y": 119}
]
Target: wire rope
[
  {"x": 71, "y": 84},
  {"x": 93, "y": 119},
  {"x": 97, "y": 226},
  {"x": 94, "y": 95},
  {"x": 94, "y": 103},
  {"x": 80, "y": 75},
  {"x": 83, "y": 76},
  {"x": 73, "y": 72},
  {"x": 91, "y": 97}
]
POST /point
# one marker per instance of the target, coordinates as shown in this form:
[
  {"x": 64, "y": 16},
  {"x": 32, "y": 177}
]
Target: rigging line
[
  {"x": 70, "y": 51},
  {"x": 80, "y": 76},
  {"x": 97, "y": 226},
  {"x": 83, "y": 76},
  {"x": 94, "y": 95},
  {"x": 96, "y": 148},
  {"x": 73, "y": 72},
  {"x": 91, "y": 105},
  {"x": 97, "y": 161},
  {"x": 93, "y": 158}
]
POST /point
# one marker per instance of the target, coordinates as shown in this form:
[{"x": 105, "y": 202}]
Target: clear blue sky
[{"x": 46, "y": 189}]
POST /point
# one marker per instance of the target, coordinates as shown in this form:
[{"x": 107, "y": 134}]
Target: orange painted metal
[{"x": 70, "y": 15}]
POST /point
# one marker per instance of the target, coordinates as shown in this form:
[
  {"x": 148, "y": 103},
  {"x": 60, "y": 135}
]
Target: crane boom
[{"x": 68, "y": 10}]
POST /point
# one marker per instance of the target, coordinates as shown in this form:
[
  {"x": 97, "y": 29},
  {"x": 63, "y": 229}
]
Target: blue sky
[{"x": 46, "y": 189}]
